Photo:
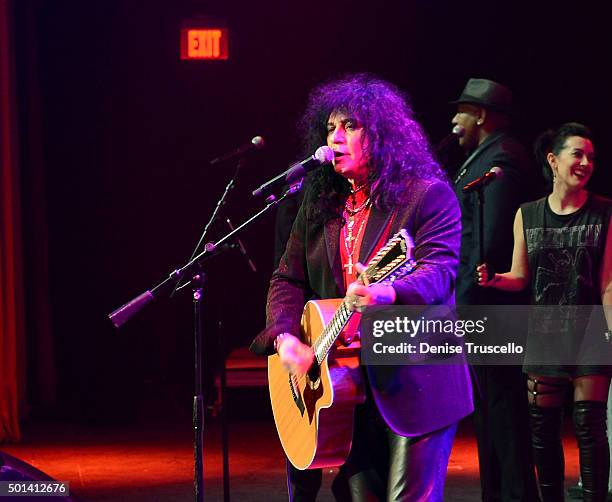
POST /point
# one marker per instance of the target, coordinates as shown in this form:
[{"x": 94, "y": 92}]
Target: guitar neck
[
  {"x": 391, "y": 262},
  {"x": 332, "y": 331}
]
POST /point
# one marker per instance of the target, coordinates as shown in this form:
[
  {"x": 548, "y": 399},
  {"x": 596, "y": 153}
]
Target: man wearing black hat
[{"x": 484, "y": 111}]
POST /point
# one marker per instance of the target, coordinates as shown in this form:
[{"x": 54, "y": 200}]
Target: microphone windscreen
[
  {"x": 458, "y": 130},
  {"x": 258, "y": 142},
  {"x": 324, "y": 154},
  {"x": 497, "y": 171}
]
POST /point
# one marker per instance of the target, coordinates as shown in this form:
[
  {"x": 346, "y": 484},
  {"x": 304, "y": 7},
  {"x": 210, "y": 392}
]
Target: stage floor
[{"x": 155, "y": 462}]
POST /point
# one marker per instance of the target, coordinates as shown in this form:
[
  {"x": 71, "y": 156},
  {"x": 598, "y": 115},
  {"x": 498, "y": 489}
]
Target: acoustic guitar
[{"x": 314, "y": 412}]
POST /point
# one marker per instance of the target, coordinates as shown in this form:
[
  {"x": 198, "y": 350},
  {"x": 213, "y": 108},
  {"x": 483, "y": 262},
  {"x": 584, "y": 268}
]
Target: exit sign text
[{"x": 204, "y": 43}]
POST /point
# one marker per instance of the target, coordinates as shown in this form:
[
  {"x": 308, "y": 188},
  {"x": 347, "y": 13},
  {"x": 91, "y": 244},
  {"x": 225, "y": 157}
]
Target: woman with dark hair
[
  {"x": 383, "y": 179},
  {"x": 563, "y": 253}
]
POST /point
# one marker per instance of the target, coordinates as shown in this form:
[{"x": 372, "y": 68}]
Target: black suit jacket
[
  {"x": 413, "y": 399},
  {"x": 502, "y": 199}
]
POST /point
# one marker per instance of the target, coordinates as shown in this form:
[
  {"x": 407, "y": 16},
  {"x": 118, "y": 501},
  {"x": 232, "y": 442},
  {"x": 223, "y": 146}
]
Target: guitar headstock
[{"x": 393, "y": 260}]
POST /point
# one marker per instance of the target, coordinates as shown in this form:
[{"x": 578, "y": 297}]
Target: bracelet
[
  {"x": 608, "y": 335},
  {"x": 279, "y": 339}
]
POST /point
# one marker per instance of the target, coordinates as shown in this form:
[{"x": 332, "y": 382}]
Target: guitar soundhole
[
  {"x": 314, "y": 373},
  {"x": 313, "y": 391}
]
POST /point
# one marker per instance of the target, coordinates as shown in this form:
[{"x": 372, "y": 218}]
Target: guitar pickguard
[{"x": 312, "y": 393}]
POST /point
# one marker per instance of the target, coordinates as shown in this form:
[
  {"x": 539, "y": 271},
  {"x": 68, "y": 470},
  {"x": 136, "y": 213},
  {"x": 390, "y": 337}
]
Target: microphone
[
  {"x": 457, "y": 132},
  {"x": 257, "y": 143},
  {"x": 323, "y": 155},
  {"x": 492, "y": 175}
]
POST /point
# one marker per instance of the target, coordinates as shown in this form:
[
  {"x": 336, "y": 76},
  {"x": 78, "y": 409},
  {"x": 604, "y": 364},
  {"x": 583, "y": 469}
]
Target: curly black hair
[{"x": 397, "y": 145}]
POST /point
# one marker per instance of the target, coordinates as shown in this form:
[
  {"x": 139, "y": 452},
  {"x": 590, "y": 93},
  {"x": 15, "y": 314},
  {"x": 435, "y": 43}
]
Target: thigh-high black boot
[
  {"x": 590, "y": 425},
  {"x": 548, "y": 450}
]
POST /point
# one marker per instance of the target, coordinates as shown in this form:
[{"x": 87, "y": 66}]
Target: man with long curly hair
[{"x": 383, "y": 179}]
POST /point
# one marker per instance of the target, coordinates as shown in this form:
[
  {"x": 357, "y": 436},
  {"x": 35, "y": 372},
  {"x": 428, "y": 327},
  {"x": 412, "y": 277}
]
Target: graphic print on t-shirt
[{"x": 565, "y": 266}]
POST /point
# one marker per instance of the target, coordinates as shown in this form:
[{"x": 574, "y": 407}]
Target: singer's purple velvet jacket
[{"x": 413, "y": 399}]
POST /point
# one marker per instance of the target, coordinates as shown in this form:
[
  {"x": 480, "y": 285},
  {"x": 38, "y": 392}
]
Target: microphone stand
[
  {"x": 481, "y": 201},
  {"x": 193, "y": 269},
  {"x": 197, "y": 288},
  {"x": 197, "y": 284}
]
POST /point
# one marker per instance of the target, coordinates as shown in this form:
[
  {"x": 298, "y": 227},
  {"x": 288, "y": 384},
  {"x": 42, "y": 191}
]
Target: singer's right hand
[
  {"x": 485, "y": 275},
  {"x": 295, "y": 356}
]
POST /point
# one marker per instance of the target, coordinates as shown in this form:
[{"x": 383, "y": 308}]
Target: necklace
[
  {"x": 354, "y": 210},
  {"x": 350, "y": 240},
  {"x": 358, "y": 188}
]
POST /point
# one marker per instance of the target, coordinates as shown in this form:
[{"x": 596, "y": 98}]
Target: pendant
[{"x": 349, "y": 265}]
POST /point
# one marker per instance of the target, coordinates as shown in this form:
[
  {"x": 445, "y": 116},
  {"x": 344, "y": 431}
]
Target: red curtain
[{"x": 11, "y": 283}]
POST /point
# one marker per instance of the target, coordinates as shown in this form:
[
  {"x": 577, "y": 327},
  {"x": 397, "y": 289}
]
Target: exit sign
[{"x": 205, "y": 43}]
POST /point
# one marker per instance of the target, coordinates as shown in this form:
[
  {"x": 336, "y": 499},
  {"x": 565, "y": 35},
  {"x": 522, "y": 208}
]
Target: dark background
[{"x": 116, "y": 133}]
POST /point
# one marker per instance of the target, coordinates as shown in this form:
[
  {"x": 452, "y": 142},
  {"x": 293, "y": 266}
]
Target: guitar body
[{"x": 314, "y": 413}]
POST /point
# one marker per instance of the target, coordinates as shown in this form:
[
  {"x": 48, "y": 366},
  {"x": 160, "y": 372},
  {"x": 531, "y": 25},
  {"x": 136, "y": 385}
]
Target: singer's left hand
[{"x": 360, "y": 296}]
